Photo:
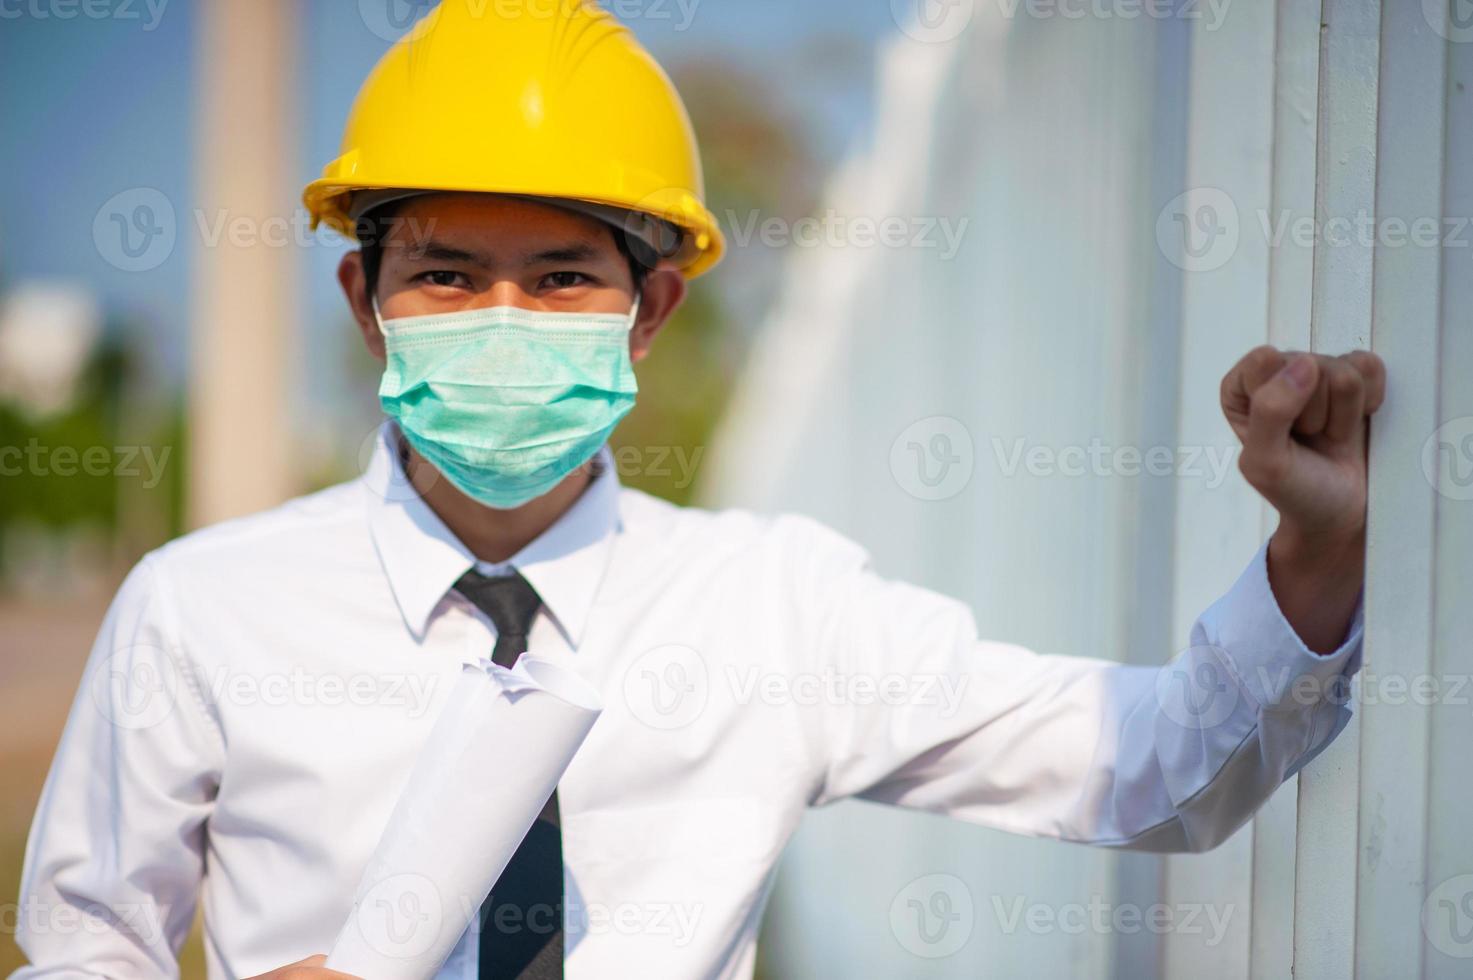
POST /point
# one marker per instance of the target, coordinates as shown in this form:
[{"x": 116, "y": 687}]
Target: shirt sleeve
[
  {"x": 116, "y": 851},
  {"x": 1170, "y": 758}
]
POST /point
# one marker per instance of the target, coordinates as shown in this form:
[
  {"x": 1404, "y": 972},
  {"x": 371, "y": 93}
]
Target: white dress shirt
[{"x": 259, "y": 690}]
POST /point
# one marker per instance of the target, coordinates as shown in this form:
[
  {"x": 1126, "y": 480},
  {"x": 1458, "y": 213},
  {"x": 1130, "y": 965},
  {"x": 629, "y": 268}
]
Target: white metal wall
[
  {"x": 1037, "y": 330},
  {"x": 1080, "y": 310}
]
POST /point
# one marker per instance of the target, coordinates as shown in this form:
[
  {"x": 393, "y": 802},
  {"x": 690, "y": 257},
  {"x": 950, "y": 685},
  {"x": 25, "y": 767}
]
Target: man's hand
[
  {"x": 309, "y": 969},
  {"x": 1302, "y": 419}
]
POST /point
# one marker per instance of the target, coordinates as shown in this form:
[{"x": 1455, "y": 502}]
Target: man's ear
[
  {"x": 355, "y": 289},
  {"x": 664, "y": 289}
]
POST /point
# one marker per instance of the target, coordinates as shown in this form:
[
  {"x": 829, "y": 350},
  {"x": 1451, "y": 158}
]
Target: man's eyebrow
[
  {"x": 435, "y": 251},
  {"x": 575, "y": 252},
  {"x": 440, "y": 252}
]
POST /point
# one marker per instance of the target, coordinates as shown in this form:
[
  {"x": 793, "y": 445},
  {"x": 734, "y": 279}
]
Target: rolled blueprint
[{"x": 492, "y": 759}]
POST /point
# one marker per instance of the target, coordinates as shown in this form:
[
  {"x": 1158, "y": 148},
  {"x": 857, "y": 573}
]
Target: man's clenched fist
[{"x": 1302, "y": 419}]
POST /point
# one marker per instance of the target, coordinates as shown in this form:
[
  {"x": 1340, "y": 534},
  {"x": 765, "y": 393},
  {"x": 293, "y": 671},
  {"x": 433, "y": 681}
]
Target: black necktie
[
  {"x": 511, "y": 603},
  {"x": 522, "y": 918}
]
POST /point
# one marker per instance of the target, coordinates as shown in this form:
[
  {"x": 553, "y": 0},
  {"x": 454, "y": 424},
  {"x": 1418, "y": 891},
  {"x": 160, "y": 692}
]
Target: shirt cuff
[{"x": 1272, "y": 663}]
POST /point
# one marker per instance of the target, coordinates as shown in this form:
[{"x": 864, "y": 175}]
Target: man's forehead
[
  {"x": 437, "y": 225},
  {"x": 652, "y": 239},
  {"x": 492, "y": 213}
]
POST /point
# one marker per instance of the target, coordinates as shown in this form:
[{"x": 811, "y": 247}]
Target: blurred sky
[{"x": 96, "y": 98}]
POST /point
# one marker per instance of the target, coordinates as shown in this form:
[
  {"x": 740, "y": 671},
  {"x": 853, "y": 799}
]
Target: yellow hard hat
[{"x": 541, "y": 98}]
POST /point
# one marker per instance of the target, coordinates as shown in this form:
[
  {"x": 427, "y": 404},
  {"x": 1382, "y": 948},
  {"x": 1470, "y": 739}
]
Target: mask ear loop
[
  {"x": 373, "y": 301},
  {"x": 634, "y": 313}
]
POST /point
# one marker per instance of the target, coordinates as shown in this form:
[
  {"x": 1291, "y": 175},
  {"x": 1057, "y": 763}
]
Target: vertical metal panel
[
  {"x": 1225, "y": 298},
  {"x": 1271, "y": 951},
  {"x": 1155, "y": 362},
  {"x": 1448, "y": 952},
  {"x": 1291, "y": 279},
  {"x": 1296, "y": 111},
  {"x": 1346, "y": 172},
  {"x": 1325, "y": 873},
  {"x": 1402, "y": 534}
]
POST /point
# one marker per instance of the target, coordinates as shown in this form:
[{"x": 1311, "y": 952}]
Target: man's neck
[{"x": 492, "y": 535}]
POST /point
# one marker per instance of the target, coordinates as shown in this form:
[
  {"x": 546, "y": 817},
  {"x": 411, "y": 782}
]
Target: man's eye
[
  {"x": 563, "y": 280},
  {"x": 441, "y": 277}
]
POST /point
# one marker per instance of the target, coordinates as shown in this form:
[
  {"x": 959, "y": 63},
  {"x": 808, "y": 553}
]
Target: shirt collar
[{"x": 423, "y": 559}]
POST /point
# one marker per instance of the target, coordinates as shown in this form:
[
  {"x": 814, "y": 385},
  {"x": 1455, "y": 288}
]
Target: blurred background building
[{"x": 988, "y": 262}]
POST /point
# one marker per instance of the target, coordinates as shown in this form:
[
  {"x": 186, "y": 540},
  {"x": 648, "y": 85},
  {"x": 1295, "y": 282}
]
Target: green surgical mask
[{"x": 507, "y": 402}]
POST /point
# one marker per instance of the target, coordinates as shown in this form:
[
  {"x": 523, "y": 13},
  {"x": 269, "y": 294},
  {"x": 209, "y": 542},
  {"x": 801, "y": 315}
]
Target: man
[{"x": 528, "y": 195}]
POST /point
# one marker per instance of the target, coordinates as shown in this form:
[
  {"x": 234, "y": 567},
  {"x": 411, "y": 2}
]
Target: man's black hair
[{"x": 374, "y": 227}]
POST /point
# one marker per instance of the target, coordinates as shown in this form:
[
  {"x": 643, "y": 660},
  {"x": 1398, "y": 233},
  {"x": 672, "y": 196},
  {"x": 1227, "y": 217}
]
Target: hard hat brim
[{"x": 332, "y": 202}]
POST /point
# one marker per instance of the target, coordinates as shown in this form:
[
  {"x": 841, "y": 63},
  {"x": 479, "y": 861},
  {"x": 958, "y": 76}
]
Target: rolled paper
[{"x": 492, "y": 760}]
